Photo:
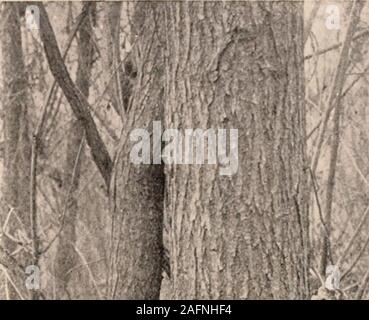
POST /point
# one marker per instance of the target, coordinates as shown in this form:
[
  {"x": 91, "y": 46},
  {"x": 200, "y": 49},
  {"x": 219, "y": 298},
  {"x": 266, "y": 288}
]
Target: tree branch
[
  {"x": 336, "y": 46},
  {"x": 310, "y": 21},
  {"x": 336, "y": 98},
  {"x": 76, "y": 99}
]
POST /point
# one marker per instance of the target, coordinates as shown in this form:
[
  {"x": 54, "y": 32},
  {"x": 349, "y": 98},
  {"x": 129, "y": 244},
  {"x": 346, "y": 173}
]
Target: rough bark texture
[
  {"x": 239, "y": 65},
  {"x": 66, "y": 257},
  {"x": 16, "y": 177},
  {"x": 136, "y": 196}
]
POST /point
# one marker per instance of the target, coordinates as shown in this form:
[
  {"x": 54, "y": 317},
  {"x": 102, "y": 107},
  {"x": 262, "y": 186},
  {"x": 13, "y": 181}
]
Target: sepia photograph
[{"x": 184, "y": 150}]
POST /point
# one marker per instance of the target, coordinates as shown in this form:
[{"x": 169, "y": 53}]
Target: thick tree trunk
[
  {"x": 239, "y": 65},
  {"x": 66, "y": 257},
  {"x": 136, "y": 195},
  {"x": 16, "y": 176}
]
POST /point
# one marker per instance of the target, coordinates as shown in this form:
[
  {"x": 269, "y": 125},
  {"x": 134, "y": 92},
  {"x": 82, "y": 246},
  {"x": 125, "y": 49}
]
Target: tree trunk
[
  {"x": 119, "y": 76},
  {"x": 66, "y": 257},
  {"x": 136, "y": 194},
  {"x": 336, "y": 98},
  {"x": 113, "y": 69},
  {"x": 76, "y": 99},
  {"x": 16, "y": 176},
  {"x": 239, "y": 66}
]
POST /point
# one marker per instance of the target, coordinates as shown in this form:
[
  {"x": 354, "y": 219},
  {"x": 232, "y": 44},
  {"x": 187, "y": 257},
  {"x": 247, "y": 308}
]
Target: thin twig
[
  {"x": 335, "y": 97},
  {"x": 7, "y": 275},
  {"x": 354, "y": 263},
  {"x": 313, "y": 179},
  {"x": 362, "y": 287},
  {"x": 336, "y": 46},
  {"x": 89, "y": 271},
  {"x": 310, "y": 21},
  {"x": 76, "y": 163},
  {"x": 353, "y": 237}
]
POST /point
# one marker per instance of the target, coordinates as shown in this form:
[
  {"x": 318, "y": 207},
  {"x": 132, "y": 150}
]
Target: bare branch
[
  {"x": 335, "y": 98},
  {"x": 363, "y": 285},
  {"x": 310, "y": 21},
  {"x": 75, "y": 98},
  {"x": 337, "y": 45}
]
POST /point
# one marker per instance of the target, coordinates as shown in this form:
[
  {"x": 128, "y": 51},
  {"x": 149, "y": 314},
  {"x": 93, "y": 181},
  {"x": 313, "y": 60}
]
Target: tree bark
[
  {"x": 335, "y": 100},
  {"x": 239, "y": 65},
  {"x": 76, "y": 99},
  {"x": 136, "y": 196},
  {"x": 16, "y": 176}
]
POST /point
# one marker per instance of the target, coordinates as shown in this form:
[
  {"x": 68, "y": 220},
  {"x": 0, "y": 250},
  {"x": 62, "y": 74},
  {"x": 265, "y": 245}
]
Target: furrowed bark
[
  {"x": 136, "y": 197},
  {"x": 17, "y": 149},
  {"x": 239, "y": 65}
]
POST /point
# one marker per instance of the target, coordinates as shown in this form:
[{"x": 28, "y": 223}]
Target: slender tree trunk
[
  {"x": 113, "y": 68},
  {"x": 16, "y": 177},
  {"x": 76, "y": 99},
  {"x": 336, "y": 99},
  {"x": 66, "y": 257},
  {"x": 119, "y": 76},
  {"x": 239, "y": 65},
  {"x": 136, "y": 195}
]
